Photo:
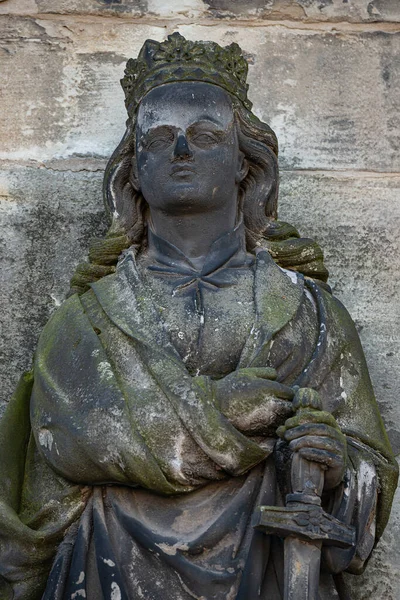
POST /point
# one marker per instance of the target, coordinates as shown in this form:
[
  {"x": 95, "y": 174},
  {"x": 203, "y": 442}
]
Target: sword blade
[{"x": 302, "y": 565}]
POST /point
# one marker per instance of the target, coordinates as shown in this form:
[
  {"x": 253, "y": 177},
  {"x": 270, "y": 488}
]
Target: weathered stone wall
[{"x": 323, "y": 73}]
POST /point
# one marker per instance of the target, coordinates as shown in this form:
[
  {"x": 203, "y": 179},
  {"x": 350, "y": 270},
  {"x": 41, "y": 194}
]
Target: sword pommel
[{"x": 306, "y": 398}]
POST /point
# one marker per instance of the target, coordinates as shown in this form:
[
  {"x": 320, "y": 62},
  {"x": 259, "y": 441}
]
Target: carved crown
[{"x": 178, "y": 59}]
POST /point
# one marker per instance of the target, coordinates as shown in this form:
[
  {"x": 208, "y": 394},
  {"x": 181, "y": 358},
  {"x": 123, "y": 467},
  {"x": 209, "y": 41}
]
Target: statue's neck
[{"x": 193, "y": 234}]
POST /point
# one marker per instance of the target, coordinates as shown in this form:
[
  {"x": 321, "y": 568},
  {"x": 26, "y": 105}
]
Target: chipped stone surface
[{"x": 381, "y": 579}]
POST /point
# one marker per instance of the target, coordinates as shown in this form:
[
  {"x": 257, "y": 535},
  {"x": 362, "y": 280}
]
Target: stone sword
[{"x": 303, "y": 522}]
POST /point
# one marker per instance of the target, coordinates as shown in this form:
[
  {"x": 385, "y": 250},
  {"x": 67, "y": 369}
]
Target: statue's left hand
[
  {"x": 317, "y": 437},
  {"x": 253, "y": 401}
]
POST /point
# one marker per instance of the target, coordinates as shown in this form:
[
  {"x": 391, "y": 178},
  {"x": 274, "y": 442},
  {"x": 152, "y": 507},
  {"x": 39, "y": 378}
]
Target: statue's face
[{"x": 188, "y": 159}]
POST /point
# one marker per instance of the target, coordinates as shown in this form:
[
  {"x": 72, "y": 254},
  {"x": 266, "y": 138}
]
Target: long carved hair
[{"x": 128, "y": 209}]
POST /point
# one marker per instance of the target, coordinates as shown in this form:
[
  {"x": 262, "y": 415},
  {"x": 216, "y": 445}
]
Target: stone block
[
  {"x": 62, "y": 95},
  {"x": 356, "y": 221},
  {"x": 133, "y": 8},
  {"x": 32, "y": 65},
  {"x": 331, "y": 97},
  {"x": 93, "y": 7},
  {"x": 47, "y": 220},
  {"x": 353, "y": 11},
  {"x": 307, "y": 10},
  {"x": 109, "y": 8}
]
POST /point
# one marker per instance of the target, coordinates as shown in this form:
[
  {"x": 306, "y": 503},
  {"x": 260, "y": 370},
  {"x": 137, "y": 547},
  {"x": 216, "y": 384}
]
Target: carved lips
[{"x": 182, "y": 170}]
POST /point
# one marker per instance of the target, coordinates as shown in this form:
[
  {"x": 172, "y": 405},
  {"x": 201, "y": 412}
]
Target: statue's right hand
[{"x": 253, "y": 401}]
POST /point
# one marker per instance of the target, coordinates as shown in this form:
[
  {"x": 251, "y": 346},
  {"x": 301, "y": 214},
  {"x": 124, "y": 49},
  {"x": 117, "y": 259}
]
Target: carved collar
[
  {"x": 227, "y": 254},
  {"x": 125, "y": 299}
]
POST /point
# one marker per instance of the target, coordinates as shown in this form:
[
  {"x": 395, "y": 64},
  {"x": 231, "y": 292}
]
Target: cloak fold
[{"x": 119, "y": 432}]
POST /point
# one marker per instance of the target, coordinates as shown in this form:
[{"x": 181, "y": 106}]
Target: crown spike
[{"x": 178, "y": 59}]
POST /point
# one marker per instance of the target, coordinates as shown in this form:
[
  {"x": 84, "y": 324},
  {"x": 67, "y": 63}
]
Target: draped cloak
[{"x": 122, "y": 478}]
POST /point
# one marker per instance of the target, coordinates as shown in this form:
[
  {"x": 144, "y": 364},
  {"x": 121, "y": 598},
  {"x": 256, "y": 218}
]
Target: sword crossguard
[
  {"x": 303, "y": 517},
  {"x": 304, "y": 522}
]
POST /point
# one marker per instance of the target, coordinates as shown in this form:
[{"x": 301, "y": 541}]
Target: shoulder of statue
[
  {"x": 69, "y": 316},
  {"x": 295, "y": 253}
]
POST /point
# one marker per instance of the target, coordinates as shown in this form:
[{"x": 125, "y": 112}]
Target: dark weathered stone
[{"x": 209, "y": 371}]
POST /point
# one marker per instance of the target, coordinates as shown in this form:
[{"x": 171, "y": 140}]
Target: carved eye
[
  {"x": 205, "y": 139},
  {"x": 159, "y": 143}
]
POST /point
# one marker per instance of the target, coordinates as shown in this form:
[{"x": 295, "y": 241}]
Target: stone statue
[{"x": 199, "y": 408}]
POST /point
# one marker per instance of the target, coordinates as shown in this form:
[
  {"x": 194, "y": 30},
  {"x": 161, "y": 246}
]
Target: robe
[{"x": 122, "y": 478}]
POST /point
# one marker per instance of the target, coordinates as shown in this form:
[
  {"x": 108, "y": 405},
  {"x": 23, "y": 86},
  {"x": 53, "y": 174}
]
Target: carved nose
[{"x": 182, "y": 149}]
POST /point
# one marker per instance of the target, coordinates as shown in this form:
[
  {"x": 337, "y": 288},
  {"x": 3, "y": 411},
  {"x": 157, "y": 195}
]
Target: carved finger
[
  {"x": 333, "y": 461},
  {"x": 322, "y": 443},
  {"x": 312, "y": 416},
  {"x": 262, "y": 372},
  {"x": 279, "y": 390},
  {"x": 319, "y": 429},
  {"x": 265, "y": 387}
]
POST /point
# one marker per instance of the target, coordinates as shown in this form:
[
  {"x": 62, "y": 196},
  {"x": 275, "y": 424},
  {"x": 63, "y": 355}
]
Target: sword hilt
[
  {"x": 303, "y": 523},
  {"x": 307, "y": 478},
  {"x": 303, "y": 516}
]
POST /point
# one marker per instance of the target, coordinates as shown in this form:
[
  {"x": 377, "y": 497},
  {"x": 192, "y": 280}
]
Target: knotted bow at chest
[{"x": 226, "y": 257}]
